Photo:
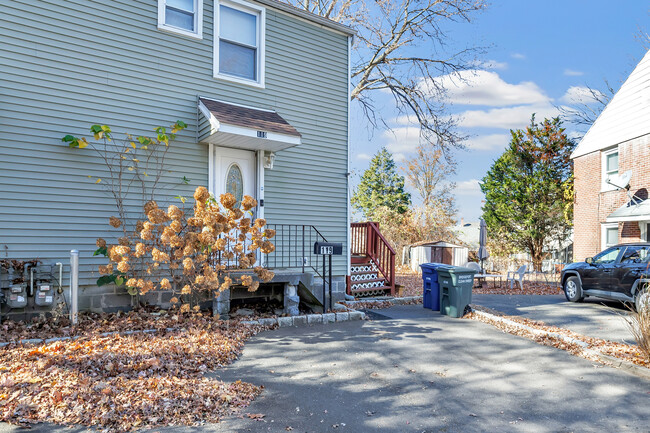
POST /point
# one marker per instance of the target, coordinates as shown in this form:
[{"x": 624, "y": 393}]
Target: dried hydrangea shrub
[{"x": 193, "y": 252}]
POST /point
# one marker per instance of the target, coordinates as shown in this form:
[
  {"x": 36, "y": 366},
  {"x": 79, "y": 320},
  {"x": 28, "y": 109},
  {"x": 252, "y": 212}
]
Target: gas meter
[{"x": 41, "y": 284}]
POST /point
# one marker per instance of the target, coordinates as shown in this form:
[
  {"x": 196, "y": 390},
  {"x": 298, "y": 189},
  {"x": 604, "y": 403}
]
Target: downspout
[{"x": 348, "y": 174}]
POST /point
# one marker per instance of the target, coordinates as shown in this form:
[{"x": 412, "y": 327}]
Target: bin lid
[
  {"x": 434, "y": 266},
  {"x": 457, "y": 270}
]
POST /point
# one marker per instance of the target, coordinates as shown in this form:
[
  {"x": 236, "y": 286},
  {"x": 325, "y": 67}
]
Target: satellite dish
[{"x": 620, "y": 181}]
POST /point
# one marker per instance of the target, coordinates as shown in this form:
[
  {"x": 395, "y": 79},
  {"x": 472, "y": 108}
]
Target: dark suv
[{"x": 621, "y": 273}]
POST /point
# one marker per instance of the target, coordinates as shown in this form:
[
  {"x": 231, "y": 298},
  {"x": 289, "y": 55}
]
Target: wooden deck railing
[{"x": 366, "y": 239}]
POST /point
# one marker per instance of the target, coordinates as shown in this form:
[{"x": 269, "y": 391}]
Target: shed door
[{"x": 447, "y": 256}]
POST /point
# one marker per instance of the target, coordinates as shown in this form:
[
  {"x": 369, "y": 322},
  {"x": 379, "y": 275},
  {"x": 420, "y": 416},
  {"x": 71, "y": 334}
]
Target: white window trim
[
  {"x": 604, "y": 185},
  {"x": 261, "y": 42},
  {"x": 198, "y": 21},
  {"x": 643, "y": 229},
  {"x": 603, "y": 234}
]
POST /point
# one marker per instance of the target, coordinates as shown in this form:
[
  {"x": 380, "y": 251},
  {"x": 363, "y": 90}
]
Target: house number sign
[{"x": 328, "y": 248}]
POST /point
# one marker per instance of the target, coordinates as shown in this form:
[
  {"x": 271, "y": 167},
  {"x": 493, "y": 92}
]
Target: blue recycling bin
[{"x": 431, "y": 288}]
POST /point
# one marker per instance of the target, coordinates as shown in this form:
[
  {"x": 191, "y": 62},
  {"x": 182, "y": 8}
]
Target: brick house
[{"x": 609, "y": 208}]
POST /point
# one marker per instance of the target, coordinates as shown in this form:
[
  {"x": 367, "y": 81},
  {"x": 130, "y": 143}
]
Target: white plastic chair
[{"x": 517, "y": 276}]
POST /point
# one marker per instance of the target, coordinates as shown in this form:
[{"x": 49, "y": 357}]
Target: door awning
[
  {"x": 241, "y": 127},
  {"x": 633, "y": 210}
]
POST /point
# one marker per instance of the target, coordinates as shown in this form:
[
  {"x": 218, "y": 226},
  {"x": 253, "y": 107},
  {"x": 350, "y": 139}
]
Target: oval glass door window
[{"x": 235, "y": 183}]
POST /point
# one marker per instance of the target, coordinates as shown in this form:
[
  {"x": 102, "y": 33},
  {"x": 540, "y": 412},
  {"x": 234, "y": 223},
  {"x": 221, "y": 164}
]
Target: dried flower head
[
  {"x": 260, "y": 222},
  {"x": 186, "y": 290},
  {"x": 139, "y": 226},
  {"x": 228, "y": 200},
  {"x": 174, "y": 213},
  {"x": 267, "y": 247},
  {"x": 248, "y": 202},
  {"x": 254, "y": 286},
  {"x": 101, "y": 243},
  {"x": 227, "y": 282},
  {"x": 174, "y": 300},
  {"x": 157, "y": 216},
  {"x": 139, "y": 249},
  {"x": 106, "y": 269},
  {"x": 269, "y": 233},
  {"x": 246, "y": 280},
  {"x": 176, "y": 226},
  {"x": 115, "y": 222},
  {"x": 123, "y": 241},
  {"x": 149, "y": 206},
  {"x": 123, "y": 266},
  {"x": 201, "y": 194},
  {"x": 185, "y": 308},
  {"x": 164, "y": 284}
]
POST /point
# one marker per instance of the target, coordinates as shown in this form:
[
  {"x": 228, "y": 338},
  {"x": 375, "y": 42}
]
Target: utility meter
[
  {"x": 17, "y": 296},
  {"x": 41, "y": 287},
  {"x": 44, "y": 295}
]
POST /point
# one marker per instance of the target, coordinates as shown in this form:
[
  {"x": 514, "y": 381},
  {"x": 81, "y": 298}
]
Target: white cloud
[
  {"x": 489, "y": 64},
  {"x": 487, "y": 88},
  {"x": 468, "y": 187},
  {"x": 488, "y": 142},
  {"x": 573, "y": 73},
  {"x": 363, "y": 157},
  {"x": 518, "y": 56},
  {"x": 581, "y": 95},
  {"x": 505, "y": 118}
]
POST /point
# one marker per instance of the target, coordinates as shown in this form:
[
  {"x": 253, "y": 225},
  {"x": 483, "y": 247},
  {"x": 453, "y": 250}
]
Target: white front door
[{"x": 234, "y": 172}]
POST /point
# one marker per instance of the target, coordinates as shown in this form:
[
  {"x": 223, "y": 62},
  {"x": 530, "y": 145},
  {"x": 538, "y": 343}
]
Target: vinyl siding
[{"x": 68, "y": 65}]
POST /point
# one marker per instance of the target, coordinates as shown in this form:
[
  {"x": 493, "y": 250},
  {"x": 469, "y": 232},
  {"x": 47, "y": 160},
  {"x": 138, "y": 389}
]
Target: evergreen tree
[
  {"x": 381, "y": 186},
  {"x": 529, "y": 189}
]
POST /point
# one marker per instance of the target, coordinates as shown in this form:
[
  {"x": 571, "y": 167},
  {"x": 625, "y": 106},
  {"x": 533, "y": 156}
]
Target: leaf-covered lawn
[{"x": 124, "y": 382}]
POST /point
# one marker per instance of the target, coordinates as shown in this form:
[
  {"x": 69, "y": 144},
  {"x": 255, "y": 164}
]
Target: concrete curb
[
  {"x": 628, "y": 366},
  {"x": 393, "y": 301},
  {"x": 309, "y": 319}
]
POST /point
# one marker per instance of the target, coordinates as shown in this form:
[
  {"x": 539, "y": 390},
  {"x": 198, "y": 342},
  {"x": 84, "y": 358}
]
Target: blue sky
[{"x": 538, "y": 56}]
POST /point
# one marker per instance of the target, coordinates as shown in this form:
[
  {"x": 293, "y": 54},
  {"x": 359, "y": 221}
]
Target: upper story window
[
  {"x": 184, "y": 17},
  {"x": 239, "y": 42},
  {"x": 610, "y": 167}
]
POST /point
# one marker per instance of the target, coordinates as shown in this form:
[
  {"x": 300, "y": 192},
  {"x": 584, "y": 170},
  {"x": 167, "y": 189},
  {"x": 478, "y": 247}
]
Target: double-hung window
[
  {"x": 610, "y": 168},
  {"x": 184, "y": 17},
  {"x": 239, "y": 42}
]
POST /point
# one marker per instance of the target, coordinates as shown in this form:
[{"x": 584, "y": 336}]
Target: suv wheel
[
  {"x": 642, "y": 299},
  {"x": 573, "y": 289}
]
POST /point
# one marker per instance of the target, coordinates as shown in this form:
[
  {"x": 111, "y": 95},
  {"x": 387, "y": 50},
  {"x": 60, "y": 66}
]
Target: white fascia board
[
  {"x": 250, "y": 132},
  {"x": 214, "y": 122}
]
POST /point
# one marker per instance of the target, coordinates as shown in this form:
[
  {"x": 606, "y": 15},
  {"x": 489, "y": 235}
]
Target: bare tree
[
  {"x": 400, "y": 48},
  {"x": 428, "y": 171}
]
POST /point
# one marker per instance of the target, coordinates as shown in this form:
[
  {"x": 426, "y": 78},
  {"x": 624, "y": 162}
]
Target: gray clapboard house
[{"x": 263, "y": 87}]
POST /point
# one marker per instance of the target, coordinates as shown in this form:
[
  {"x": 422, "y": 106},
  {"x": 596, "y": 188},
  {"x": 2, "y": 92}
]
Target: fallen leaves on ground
[
  {"x": 626, "y": 352},
  {"x": 412, "y": 283},
  {"x": 125, "y": 382}
]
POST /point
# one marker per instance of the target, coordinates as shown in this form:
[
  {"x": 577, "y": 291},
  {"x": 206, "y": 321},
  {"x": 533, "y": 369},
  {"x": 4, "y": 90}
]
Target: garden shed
[{"x": 436, "y": 252}]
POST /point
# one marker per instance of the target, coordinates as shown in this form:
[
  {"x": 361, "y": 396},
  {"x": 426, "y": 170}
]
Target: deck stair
[{"x": 372, "y": 270}]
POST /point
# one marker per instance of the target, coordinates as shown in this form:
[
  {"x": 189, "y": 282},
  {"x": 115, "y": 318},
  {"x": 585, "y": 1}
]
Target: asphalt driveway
[
  {"x": 418, "y": 371},
  {"x": 594, "y": 317}
]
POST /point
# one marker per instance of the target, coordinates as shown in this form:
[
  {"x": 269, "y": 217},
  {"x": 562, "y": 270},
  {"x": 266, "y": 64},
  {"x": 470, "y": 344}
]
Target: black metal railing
[{"x": 294, "y": 248}]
